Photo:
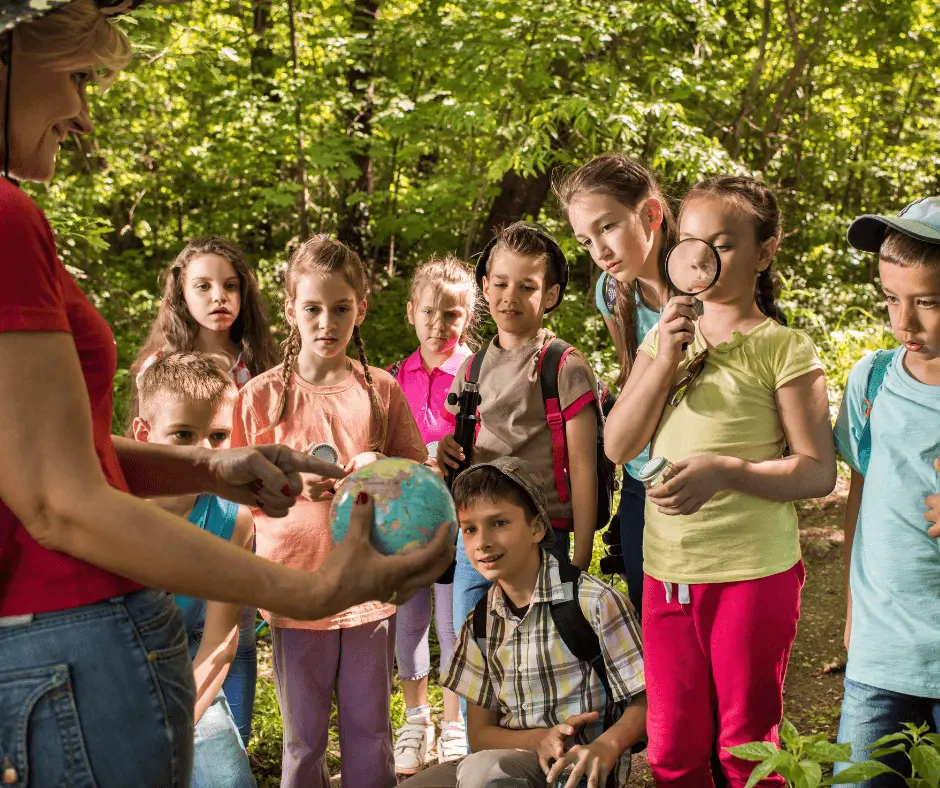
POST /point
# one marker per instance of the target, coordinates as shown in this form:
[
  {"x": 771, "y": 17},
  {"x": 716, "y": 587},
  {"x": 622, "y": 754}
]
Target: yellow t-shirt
[{"x": 729, "y": 409}]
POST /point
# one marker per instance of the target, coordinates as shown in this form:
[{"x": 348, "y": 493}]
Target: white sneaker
[
  {"x": 415, "y": 739},
  {"x": 452, "y": 746}
]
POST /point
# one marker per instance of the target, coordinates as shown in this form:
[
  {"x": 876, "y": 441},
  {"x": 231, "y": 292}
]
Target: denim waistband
[{"x": 133, "y": 598}]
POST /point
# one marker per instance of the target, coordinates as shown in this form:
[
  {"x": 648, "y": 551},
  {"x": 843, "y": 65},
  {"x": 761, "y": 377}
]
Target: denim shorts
[{"x": 100, "y": 696}]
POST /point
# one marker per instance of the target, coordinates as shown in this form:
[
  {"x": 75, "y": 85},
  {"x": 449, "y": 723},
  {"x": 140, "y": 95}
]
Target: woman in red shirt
[{"x": 95, "y": 682}]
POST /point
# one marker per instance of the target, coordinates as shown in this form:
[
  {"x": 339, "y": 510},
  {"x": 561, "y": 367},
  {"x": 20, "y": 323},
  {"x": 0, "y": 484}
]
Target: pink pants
[
  {"x": 719, "y": 660},
  {"x": 355, "y": 664}
]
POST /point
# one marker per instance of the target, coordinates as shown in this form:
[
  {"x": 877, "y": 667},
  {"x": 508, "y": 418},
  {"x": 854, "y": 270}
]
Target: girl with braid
[
  {"x": 737, "y": 402},
  {"x": 319, "y": 396}
]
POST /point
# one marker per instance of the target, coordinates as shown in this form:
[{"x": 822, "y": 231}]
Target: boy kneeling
[{"x": 535, "y": 710}]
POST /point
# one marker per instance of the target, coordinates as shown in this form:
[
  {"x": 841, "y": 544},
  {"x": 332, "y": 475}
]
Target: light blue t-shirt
[
  {"x": 605, "y": 296},
  {"x": 895, "y": 572}
]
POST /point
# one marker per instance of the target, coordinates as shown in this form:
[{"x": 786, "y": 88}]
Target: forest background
[{"x": 412, "y": 127}]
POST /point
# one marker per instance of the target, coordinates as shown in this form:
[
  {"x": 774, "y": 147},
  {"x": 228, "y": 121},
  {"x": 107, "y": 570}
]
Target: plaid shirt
[{"x": 531, "y": 677}]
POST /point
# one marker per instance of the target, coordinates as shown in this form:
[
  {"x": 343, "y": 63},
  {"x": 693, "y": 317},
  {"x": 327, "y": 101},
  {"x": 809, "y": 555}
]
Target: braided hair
[
  {"x": 323, "y": 256},
  {"x": 757, "y": 199},
  {"x": 630, "y": 183}
]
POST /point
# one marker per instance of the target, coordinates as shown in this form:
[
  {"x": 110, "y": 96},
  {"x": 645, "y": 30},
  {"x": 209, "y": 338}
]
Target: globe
[{"x": 411, "y": 504}]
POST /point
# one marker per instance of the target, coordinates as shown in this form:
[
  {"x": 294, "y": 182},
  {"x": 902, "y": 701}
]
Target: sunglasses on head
[{"x": 692, "y": 370}]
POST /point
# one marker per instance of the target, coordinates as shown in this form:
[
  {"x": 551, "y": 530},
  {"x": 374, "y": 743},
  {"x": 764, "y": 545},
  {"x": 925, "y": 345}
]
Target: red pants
[{"x": 718, "y": 661}]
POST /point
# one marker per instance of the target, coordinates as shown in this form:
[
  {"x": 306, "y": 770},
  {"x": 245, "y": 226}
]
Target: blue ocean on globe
[{"x": 411, "y": 504}]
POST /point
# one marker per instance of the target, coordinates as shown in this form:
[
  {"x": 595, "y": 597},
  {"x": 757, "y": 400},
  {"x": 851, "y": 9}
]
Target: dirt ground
[{"x": 812, "y": 694}]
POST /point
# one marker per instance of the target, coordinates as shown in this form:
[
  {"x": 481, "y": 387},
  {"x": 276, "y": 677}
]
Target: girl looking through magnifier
[{"x": 742, "y": 414}]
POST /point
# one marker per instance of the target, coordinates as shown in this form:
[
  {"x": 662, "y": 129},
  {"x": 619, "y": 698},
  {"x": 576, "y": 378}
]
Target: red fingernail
[
  {"x": 362, "y": 498},
  {"x": 285, "y": 490}
]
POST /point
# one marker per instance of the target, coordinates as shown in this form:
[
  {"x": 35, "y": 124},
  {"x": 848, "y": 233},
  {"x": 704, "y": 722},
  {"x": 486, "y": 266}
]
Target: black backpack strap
[
  {"x": 479, "y": 624},
  {"x": 575, "y": 630},
  {"x": 474, "y": 365}
]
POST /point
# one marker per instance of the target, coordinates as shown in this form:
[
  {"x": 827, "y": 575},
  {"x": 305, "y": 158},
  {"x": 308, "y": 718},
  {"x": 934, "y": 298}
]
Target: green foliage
[
  {"x": 412, "y": 128},
  {"x": 801, "y": 758}
]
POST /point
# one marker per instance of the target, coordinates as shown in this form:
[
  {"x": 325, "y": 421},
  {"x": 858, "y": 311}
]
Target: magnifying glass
[
  {"x": 325, "y": 452},
  {"x": 692, "y": 267}
]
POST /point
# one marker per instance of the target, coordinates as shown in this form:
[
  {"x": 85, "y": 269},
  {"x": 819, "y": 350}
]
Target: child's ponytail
[
  {"x": 378, "y": 412},
  {"x": 630, "y": 183},
  {"x": 757, "y": 199},
  {"x": 290, "y": 349}
]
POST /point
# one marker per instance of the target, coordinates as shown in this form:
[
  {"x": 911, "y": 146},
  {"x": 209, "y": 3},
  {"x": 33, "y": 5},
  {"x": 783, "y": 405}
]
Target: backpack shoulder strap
[
  {"x": 479, "y": 624},
  {"x": 475, "y": 364},
  {"x": 876, "y": 377},
  {"x": 551, "y": 358},
  {"x": 575, "y": 630}
]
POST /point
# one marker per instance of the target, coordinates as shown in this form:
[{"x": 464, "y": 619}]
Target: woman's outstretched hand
[
  {"x": 266, "y": 477},
  {"x": 358, "y": 573}
]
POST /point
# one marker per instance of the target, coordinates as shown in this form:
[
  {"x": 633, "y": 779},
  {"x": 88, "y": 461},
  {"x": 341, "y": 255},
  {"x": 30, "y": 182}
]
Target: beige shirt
[
  {"x": 512, "y": 412},
  {"x": 340, "y": 415}
]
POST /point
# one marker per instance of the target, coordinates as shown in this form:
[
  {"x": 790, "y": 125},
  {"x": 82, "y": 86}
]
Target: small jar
[
  {"x": 325, "y": 452},
  {"x": 657, "y": 471}
]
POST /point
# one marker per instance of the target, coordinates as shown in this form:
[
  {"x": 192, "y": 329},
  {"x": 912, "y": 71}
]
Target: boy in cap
[
  {"x": 888, "y": 431},
  {"x": 535, "y": 709}
]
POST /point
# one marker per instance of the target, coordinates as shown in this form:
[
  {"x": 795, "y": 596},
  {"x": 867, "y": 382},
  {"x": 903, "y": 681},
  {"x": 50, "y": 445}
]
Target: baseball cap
[
  {"x": 520, "y": 472},
  {"x": 919, "y": 220},
  {"x": 556, "y": 257}
]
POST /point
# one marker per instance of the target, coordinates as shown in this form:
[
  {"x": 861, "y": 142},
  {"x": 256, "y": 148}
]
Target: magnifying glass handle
[{"x": 699, "y": 311}]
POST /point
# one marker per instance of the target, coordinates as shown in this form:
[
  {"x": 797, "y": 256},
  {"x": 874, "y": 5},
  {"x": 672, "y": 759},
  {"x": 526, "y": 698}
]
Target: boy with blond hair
[{"x": 187, "y": 400}]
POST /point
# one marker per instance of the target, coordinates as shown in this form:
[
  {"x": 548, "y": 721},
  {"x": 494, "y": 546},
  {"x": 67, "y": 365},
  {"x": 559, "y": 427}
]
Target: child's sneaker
[
  {"x": 452, "y": 745},
  {"x": 415, "y": 740}
]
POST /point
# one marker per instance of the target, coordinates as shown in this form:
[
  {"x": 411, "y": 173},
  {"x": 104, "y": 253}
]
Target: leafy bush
[{"x": 801, "y": 759}]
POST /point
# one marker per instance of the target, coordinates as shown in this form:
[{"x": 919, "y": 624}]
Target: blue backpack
[{"x": 876, "y": 377}]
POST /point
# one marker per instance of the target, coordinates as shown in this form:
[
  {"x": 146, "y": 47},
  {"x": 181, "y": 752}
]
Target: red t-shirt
[{"x": 38, "y": 294}]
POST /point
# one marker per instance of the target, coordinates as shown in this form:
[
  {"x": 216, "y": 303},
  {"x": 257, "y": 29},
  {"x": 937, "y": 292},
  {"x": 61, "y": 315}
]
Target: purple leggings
[
  {"x": 355, "y": 664},
  {"x": 412, "y": 649}
]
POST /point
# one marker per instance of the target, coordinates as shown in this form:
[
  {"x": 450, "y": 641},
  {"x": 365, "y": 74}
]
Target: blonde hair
[
  {"x": 194, "y": 376},
  {"x": 73, "y": 37},
  {"x": 322, "y": 256},
  {"x": 452, "y": 275}
]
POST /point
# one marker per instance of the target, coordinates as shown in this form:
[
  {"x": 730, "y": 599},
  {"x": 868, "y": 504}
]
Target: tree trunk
[
  {"x": 299, "y": 130},
  {"x": 522, "y": 196},
  {"x": 353, "y": 227}
]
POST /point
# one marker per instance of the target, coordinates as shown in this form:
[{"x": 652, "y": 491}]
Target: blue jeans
[
  {"x": 868, "y": 713},
  {"x": 632, "y": 516},
  {"x": 470, "y": 586},
  {"x": 98, "y": 696},
  {"x": 220, "y": 758},
  {"x": 242, "y": 676}
]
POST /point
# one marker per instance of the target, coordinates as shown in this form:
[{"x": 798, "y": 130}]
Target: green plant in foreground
[{"x": 799, "y": 760}]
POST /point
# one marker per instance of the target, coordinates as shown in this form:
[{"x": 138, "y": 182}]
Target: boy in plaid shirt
[{"x": 535, "y": 711}]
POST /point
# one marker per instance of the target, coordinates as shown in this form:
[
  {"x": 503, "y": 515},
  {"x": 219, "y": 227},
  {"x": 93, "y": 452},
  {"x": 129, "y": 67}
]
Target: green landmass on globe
[{"x": 411, "y": 504}]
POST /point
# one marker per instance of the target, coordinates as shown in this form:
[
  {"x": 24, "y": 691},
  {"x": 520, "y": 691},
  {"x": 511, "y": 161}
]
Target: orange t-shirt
[{"x": 340, "y": 415}]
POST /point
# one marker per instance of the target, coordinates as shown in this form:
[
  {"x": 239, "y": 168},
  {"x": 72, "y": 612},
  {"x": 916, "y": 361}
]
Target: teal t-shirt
[
  {"x": 605, "y": 296},
  {"x": 217, "y": 516},
  {"x": 895, "y": 572}
]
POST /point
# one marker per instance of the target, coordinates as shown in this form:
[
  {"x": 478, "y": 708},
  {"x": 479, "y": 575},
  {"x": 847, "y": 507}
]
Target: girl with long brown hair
[{"x": 618, "y": 212}]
